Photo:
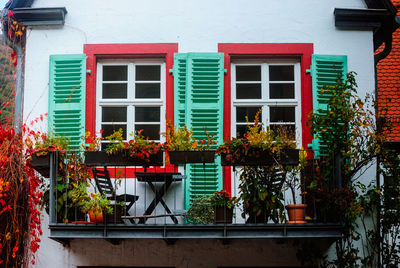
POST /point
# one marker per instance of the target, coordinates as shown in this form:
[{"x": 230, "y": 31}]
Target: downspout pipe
[
  {"x": 388, "y": 40},
  {"x": 20, "y": 69},
  {"x": 19, "y": 82}
]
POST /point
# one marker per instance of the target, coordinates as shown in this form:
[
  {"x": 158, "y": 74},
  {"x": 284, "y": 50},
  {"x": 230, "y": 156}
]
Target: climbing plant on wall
[
  {"x": 348, "y": 128},
  {"x": 20, "y": 196}
]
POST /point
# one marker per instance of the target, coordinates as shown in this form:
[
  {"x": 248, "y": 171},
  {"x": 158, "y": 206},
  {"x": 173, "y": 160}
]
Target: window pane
[
  {"x": 115, "y": 91},
  {"x": 150, "y": 131},
  {"x": 248, "y": 91},
  {"x": 289, "y": 130},
  {"x": 147, "y": 72},
  {"x": 147, "y": 114},
  {"x": 149, "y": 91},
  {"x": 241, "y": 130},
  {"x": 282, "y": 114},
  {"x": 113, "y": 114},
  {"x": 110, "y": 129},
  {"x": 248, "y": 73},
  {"x": 115, "y": 73},
  {"x": 281, "y": 73},
  {"x": 250, "y": 112},
  {"x": 281, "y": 91}
]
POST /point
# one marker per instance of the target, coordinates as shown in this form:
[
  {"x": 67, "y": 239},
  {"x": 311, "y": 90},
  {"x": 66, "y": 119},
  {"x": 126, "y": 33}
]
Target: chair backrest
[
  {"x": 279, "y": 178},
  {"x": 103, "y": 182}
]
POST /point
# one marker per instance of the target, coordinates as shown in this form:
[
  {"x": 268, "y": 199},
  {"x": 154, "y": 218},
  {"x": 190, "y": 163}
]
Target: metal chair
[{"x": 103, "y": 183}]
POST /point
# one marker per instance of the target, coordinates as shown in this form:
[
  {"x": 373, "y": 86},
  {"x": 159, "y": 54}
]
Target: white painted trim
[
  {"x": 131, "y": 102},
  {"x": 265, "y": 101}
]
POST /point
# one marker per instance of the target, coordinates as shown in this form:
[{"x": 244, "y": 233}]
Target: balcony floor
[{"x": 115, "y": 232}]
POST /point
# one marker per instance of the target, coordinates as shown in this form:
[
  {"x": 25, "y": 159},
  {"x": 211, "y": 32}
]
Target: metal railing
[{"x": 144, "y": 196}]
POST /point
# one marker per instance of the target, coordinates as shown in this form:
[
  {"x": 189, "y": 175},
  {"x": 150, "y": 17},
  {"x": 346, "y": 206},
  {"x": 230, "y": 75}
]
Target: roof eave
[
  {"x": 360, "y": 18},
  {"x": 40, "y": 16}
]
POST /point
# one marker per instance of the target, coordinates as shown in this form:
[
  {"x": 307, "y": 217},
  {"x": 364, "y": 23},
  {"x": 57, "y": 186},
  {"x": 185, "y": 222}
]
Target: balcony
[{"x": 158, "y": 210}]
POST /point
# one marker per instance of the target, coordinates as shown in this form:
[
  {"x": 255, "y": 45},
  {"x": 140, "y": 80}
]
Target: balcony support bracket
[
  {"x": 64, "y": 241},
  {"x": 170, "y": 241},
  {"x": 113, "y": 241},
  {"x": 225, "y": 241}
]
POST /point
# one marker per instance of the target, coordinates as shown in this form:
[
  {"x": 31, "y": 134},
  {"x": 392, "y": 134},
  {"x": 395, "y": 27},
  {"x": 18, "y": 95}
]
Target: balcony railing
[{"x": 148, "y": 202}]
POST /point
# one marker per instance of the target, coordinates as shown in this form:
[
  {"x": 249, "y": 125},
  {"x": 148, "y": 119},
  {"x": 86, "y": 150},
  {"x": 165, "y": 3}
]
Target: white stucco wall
[{"x": 197, "y": 26}]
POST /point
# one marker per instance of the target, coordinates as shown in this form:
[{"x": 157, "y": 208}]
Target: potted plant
[
  {"x": 79, "y": 195},
  {"x": 98, "y": 207},
  {"x": 260, "y": 191},
  {"x": 201, "y": 211},
  {"x": 223, "y": 206},
  {"x": 139, "y": 151},
  {"x": 182, "y": 148},
  {"x": 296, "y": 212},
  {"x": 71, "y": 172}
]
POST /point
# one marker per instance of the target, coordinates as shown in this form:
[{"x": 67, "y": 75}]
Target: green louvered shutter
[
  {"x": 67, "y": 95},
  {"x": 180, "y": 78},
  {"x": 325, "y": 70},
  {"x": 199, "y": 96}
]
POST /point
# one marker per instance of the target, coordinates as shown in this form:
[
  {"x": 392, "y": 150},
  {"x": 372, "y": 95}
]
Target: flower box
[
  {"x": 41, "y": 163},
  {"x": 187, "y": 157},
  {"x": 262, "y": 158},
  {"x": 94, "y": 158}
]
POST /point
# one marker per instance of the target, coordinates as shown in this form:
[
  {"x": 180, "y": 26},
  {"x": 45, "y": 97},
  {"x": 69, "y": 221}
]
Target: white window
[
  {"x": 270, "y": 85},
  {"x": 131, "y": 96}
]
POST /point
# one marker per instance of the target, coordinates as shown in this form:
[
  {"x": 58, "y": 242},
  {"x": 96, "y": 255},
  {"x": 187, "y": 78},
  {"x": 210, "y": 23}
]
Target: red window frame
[
  {"x": 94, "y": 52},
  {"x": 301, "y": 51}
]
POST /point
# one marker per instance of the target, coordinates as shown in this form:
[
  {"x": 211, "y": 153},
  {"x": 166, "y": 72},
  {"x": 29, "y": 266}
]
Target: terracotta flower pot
[
  {"x": 96, "y": 217},
  {"x": 296, "y": 213}
]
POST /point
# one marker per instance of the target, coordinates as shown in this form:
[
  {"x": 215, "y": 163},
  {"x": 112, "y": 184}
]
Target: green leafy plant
[
  {"x": 222, "y": 199},
  {"x": 97, "y": 203},
  {"x": 79, "y": 194},
  {"x": 293, "y": 179},
  {"x": 201, "y": 211},
  {"x": 352, "y": 139},
  {"x": 179, "y": 138},
  {"x": 72, "y": 171},
  {"x": 261, "y": 192}
]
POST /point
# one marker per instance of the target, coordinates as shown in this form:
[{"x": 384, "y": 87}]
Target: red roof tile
[{"x": 388, "y": 75}]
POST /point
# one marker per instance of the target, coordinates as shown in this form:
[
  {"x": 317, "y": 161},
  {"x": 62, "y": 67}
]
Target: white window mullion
[
  {"x": 297, "y": 95},
  {"x": 99, "y": 96},
  {"x": 131, "y": 102},
  {"x": 265, "y": 81},
  {"x": 130, "y": 120},
  {"x": 266, "y": 102},
  {"x": 234, "y": 123},
  {"x": 265, "y": 115},
  {"x": 131, "y": 81}
]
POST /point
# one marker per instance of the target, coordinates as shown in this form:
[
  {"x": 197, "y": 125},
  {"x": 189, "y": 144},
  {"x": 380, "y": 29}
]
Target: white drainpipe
[{"x": 19, "y": 84}]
